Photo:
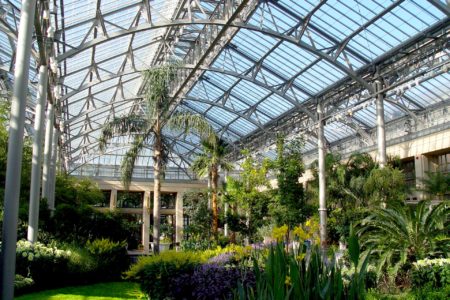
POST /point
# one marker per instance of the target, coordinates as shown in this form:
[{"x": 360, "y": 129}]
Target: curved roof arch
[{"x": 253, "y": 68}]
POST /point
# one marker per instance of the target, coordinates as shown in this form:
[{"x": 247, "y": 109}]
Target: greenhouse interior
[{"x": 225, "y": 149}]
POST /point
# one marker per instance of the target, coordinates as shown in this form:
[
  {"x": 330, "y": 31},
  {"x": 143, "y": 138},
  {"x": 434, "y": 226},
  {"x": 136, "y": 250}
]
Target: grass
[{"x": 101, "y": 291}]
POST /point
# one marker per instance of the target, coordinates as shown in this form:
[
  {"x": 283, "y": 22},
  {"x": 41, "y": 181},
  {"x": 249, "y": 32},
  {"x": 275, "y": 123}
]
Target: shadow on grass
[{"x": 106, "y": 291}]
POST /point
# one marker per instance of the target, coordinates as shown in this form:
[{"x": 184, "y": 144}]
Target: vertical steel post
[
  {"x": 381, "y": 134},
  {"x": 52, "y": 172},
  {"x": 179, "y": 220},
  {"x": 15, "y": 148},
  {"x": 322, "y": 181},
  {"x": 146, "y": 222},
  {"x": 33, "y": 215},
  {"x": 226, "y": 207},
  {"x": 47, "y": 150}
]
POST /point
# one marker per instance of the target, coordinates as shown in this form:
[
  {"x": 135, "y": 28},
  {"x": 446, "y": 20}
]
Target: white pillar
[
  {"x": 146, "y": 222},
  {"x": 420, "y": 168},
  {"x": 33, "y": 217},
  {"x": 179, "y": 219},
  {"x": 226, "y": 207},
  {"x": 225, "y": 227},
  {"x": 322, "y": 180},
  {"x": 15, "y": 148},
  {"x": 47, "y": 150},
  {"x": 113, "y": 199},
  {"x": 381, "y": 135},
  {"x": 52, "y": 172}
]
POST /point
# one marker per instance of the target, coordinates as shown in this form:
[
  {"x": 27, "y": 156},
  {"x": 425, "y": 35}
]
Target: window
[{"x": 129, "y": 199}]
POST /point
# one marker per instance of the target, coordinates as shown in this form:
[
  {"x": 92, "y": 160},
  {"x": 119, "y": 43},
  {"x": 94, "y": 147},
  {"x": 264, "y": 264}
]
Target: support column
[
  {"x": 33, "y": 215},
  {"x": 322, "y": 181},
  {"x": 146, "y": 222},
  {"x": 381, "y": 135},
  {"x": 113, "y": 200},
  {"x": 15, "y": 148},
  {"x": 420, "y": 168},
  {"x": 226, "y": 207},
  {"x": 47, "y": 150},
  {"x": 225, "y": 227},
  {"x": 52, "y": 172},
  {"x": 179, "y": 219}
]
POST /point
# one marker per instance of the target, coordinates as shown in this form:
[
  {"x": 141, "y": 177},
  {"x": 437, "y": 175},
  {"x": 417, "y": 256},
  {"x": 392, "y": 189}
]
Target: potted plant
[{"x": 165, "y": 240}]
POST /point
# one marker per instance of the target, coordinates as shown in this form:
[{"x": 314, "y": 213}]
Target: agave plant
[
  {"x": 147, "y": 129},
  {"x": 402, "y": 233}
]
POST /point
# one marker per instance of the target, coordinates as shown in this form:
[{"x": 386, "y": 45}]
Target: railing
[{"x": 140, "y": 172}]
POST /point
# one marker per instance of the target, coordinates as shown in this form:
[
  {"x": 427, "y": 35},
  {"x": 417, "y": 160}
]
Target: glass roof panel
[{"x": 254, "y": 79}]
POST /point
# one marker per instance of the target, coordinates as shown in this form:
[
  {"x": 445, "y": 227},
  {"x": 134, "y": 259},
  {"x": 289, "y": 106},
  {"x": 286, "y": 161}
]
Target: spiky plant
[
  {"x": 208, "y": 164},
  {"x": 400, "y": 234},
  {"x": 148, "y": 128}
]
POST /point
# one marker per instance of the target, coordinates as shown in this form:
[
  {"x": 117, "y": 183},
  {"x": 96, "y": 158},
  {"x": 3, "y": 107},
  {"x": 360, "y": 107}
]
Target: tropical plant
[
  {"x": 289, "y": 205},
  {"x": 400, "y": 235},
  {"x": 436, "y": 184},
  {"x": 248, "y": 193},
  {"x": 151, "y": 127},
  {"x": 345, "y": 181},
  {"x": 306, "y": 276},
  {"x": 386, "y": 186},
  {"x": 208, "y": 164}
]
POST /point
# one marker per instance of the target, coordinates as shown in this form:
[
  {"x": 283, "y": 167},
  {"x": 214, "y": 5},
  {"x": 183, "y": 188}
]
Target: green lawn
[{"x": 101, "y": 291}]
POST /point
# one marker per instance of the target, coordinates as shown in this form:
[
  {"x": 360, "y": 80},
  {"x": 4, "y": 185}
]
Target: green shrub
[
  {"x": 52, "y": 265},
  {"x": 111, "y": 257},
  {"x": 430, "y": 293},
  {"x": 22, "y": 284},
  {"x": 432, "y": 273},
  {"x": 46, "y": 265},
  {"x": 154, "y": 272}
]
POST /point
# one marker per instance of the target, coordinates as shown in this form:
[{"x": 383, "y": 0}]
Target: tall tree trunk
[
  {"x": 215, "y": 211},
  {"x": 157, "y": 188}
]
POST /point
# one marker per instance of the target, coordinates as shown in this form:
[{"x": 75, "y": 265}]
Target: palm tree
[
  {"x": 404, "y": 233},
  {"x": 209, "y": 163},
  {"x": 148, "y": 128}
]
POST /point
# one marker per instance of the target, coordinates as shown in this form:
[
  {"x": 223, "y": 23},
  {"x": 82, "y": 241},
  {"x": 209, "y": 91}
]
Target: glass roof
[{"x": 248, "y": 65}]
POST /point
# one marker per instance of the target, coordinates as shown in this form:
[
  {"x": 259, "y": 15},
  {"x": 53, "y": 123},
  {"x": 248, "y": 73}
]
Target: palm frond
[
  {"x": 129, "y": 124},
  {"x": 156, "y": 89},
  {"x": 201, "y": 165},
  {"x": 129, "y": 160},
  {"x": 189, "y": 122}
]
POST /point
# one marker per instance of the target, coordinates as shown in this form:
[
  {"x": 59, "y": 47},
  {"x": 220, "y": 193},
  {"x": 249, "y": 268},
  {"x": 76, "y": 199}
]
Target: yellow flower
[
  {"x": 279, "y": 233},
  {"x": 302, "y": 235},
  {"x": 301, "y": 256},
  {"x": 288, "y": 281}
]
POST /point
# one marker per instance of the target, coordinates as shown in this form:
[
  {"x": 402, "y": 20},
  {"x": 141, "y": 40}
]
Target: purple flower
[
  {"x": 221, "y": 259},
  {"x": 211, "y": 281}
]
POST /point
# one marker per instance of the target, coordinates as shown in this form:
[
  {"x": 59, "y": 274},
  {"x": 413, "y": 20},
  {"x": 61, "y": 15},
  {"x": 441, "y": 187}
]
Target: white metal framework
[
  {"x": 338, "y": 72},
  {"x": 253, "y": 68}
]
